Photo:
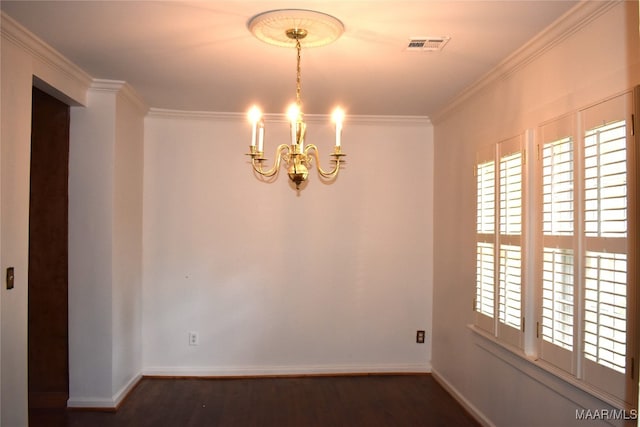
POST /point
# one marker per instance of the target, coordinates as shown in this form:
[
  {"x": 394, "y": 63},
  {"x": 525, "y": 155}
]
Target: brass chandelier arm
[
  {"x": 336, "y": 155},
  {"x": 256, "y": 161}
]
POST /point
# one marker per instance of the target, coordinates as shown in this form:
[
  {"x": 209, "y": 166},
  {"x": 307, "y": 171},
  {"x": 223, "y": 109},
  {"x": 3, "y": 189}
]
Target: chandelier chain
[{"x": 298, "y": 84}]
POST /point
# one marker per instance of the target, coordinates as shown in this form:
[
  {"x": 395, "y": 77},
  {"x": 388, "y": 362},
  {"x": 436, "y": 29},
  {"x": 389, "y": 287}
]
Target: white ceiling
[{"x": 199, "y": 56}]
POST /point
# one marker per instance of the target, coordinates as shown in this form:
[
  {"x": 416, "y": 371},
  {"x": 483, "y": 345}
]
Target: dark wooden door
[{"x": 48, "y": 253}]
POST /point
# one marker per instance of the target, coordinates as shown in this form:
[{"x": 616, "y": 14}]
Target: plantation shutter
[
  {"x": 510, "y": 262},
  {"x": 608, "y": 155},
  {"x": 558, "y": 268},
  {"x": 485, "y": 239}
]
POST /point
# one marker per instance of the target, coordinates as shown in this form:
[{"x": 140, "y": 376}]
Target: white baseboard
[
  {"x": 124, "y": 391},
  {"x": 471, "y": 408},
  {"x": 91, "y": 402},
  {"x": 242, "y": 371},
  {"x": 249, "y": 371},
  {"x": 105, "y": 403}
]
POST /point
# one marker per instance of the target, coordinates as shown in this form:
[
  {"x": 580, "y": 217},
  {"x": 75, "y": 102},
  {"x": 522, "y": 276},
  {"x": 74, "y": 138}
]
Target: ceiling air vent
[{"x": 427, "y": 44}]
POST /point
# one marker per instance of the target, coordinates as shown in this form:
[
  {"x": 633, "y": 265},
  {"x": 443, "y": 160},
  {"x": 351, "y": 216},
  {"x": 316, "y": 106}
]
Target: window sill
[{"x": 546, "y": 374}]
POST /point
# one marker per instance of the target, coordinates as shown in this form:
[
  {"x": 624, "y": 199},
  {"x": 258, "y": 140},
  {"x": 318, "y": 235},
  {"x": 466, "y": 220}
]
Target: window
[
  {"x": 498, "y": 250},
  {"x": 585, "y": 327},
  {"x": 580, "y": 256}
]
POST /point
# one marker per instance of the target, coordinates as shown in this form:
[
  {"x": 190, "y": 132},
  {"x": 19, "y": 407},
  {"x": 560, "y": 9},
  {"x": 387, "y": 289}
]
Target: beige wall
[{"x": 336, "y": 278}]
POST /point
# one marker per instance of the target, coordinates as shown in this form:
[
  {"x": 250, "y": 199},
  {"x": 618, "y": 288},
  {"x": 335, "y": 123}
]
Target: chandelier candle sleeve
[
  {"x": 338, "y": 117},
  {"x": 292, "y": 114},
  {"x": 254, "y": 118},
  {"x": 261, "y": 137},
  {"x": 300, "y": 128},
  {"x": 293, "y": 133},
  {"x": 253, "y": 135}
]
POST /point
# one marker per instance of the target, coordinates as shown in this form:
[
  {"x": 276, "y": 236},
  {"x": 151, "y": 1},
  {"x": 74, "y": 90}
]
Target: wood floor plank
[{"x": 372, "y": 401}]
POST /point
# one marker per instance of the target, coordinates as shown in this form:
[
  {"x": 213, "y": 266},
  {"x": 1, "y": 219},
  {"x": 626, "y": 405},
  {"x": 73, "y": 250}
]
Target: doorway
[{"x": 48, "y": 327}]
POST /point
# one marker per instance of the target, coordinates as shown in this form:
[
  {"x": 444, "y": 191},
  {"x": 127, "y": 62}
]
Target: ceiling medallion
[
  {"x": 290, "y": 28},
  {"x": 272, "y": 26}
]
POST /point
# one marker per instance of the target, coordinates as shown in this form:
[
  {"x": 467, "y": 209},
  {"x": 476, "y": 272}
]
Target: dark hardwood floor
[{"x": 371, "y": 401}]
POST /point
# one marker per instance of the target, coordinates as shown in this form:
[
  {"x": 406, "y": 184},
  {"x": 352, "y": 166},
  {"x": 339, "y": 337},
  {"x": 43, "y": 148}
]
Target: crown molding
[
  {"x": 104, "y": 85},
  {"x": 195, "y": 115},
  {"x": 568, "y": 24},
  {"x": 122, "y": 88},
  {"x": 282, "y": 118},
  {"x": 15, "y": 33}
]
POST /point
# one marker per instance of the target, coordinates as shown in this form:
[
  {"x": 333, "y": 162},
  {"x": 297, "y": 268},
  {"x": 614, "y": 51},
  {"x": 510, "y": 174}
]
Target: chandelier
[{"x": 292, "y": 27}]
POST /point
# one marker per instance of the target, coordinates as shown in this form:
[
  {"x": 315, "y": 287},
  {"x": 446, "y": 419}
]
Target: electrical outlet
[
  {"x": 194, "y": 338},
  {"x": 420, "y": 337},
  {"x": 10, "y": 277}
]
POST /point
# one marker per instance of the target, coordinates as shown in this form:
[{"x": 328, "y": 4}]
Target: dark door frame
[{"x": 48, "y": 324}]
